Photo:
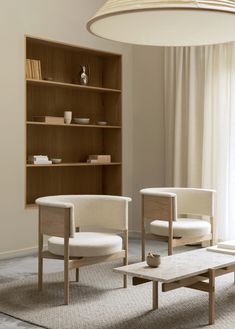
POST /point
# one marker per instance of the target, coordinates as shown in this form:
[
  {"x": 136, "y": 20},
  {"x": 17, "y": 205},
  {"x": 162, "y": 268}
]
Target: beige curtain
[{"x": 199, "y": 124}]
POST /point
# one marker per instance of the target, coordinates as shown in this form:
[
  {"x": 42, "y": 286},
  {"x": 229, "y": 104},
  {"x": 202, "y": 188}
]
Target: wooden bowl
[{"x": 153, "y": 260}]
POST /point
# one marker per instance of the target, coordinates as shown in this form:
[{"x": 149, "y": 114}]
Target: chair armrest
[
  {"x": 56, "y": 218},
  {"x": 49, "y": 202},
  {"x": 160, "y": 206},
  {"x": 155, "y": 192}
]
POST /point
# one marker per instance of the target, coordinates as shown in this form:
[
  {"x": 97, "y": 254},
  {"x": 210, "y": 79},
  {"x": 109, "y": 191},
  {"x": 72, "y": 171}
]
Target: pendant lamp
[{"x": 165, "y": 23}]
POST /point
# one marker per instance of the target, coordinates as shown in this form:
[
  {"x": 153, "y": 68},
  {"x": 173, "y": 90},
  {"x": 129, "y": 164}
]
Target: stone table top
[{"x": 179, "y": 266}]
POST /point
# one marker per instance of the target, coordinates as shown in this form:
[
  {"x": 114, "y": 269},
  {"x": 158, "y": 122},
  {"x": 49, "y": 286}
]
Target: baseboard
[{"x": 19, "y": 253}]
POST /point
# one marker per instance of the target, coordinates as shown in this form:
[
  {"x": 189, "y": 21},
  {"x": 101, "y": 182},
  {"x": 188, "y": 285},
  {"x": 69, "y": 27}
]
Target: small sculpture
[
  {"x": 84, "y": 77},
  {"x": 153, "y": 260}
]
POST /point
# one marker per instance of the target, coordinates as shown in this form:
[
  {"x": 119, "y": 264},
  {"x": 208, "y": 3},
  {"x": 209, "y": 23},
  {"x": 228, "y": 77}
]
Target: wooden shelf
[
  {"x": 101, "y": 100},
  {"x": 34, "y": 82},
  {"x": 78, "y": 164},
  {"x": 71, "y": 125}
]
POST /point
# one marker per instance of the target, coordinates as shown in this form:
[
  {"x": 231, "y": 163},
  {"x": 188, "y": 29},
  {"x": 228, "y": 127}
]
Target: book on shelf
[
  {"x": 28, "y": 69},
  {"x": 99, "y": 158},
  {"x": 33, "y": 69},
  {"x": 39, "y": 159},
  {"x": 49, "y": 119},
  {"x": 42, "y": 162}
]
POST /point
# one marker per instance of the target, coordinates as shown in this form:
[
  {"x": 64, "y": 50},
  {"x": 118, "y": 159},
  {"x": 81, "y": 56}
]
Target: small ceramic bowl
[
  {"x": 82, "y": 121},
  {"x": 56, "y": 161},
  {"x": 153, "y": 260},
  {"x": 102, "y": 123}
]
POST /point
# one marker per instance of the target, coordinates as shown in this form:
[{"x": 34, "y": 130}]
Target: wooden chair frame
[
  {"x": 55, "y": 221},
  {"x": 163, "y": 208}
]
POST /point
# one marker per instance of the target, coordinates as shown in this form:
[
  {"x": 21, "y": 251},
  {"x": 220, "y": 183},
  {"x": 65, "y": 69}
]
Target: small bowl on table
[
  {"x": 82, "y": 121},
  {"x": 153, "y": 260}
]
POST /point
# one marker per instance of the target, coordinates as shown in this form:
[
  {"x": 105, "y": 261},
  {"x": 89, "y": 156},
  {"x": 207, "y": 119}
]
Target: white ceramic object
[
  {"x": 82, "y": 121},
  {"x": 102, "y": 123},
  {"x": 56, "y": 161},
  {"x": 67, "y": 117}
]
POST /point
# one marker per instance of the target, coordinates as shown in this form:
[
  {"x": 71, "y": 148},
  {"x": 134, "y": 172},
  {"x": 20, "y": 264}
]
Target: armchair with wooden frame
[
  {"x": 68, "y": 220},
  {"x": 179, "y": 216}
]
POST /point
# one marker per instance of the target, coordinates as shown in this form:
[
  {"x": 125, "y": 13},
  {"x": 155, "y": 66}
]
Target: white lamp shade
[{"x": 165, "y": 23}]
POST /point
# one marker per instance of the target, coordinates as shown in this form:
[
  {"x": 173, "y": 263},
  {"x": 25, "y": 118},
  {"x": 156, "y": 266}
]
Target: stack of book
[
  {"x": 39, "y": 159},
  {"x": 99, "y": 158},
  {"x": 33, "y": 69}
]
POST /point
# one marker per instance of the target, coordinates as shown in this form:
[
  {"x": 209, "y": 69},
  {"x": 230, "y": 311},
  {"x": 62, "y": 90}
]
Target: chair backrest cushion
[
  {"x": 109, "y": 212},
  {"x": 192, "y": 201}
]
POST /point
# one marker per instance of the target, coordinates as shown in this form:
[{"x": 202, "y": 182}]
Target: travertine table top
[{"x": 180, "y": 266}]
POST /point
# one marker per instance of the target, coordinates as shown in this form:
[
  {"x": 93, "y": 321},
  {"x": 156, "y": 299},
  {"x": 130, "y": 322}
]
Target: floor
[{"x": 17, "y": 268}]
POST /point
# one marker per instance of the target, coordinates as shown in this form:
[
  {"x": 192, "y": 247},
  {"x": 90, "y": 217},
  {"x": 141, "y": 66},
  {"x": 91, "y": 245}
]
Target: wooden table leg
[
  {"x": 155, "y": 295},
  {"x": 211, "y": 296}
]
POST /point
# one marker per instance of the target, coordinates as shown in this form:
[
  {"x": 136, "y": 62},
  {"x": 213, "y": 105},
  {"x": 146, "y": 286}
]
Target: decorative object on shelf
[
  {"x": 49, "y": 119},
  {"x": 67, "y": 117},
  {"x": 33, "y": 69},
  {"x": 56, "y": 161},
  {"x": 94, "y": 161},
  {"x": 153, "y": 260},
  {"x": 102, "y": 123},
  {"x": 99, "y": 158},
  {"x": 48, "y": 79},
  {"x": 39, "y": 159},
  {"x": 82, "y": 121},
  {"x": 165, "y": 23},
  {"x": 84, "y": 75}
]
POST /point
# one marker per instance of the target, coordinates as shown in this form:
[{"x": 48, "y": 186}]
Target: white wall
[
  {"x": 60, "y": 20},
  {"x": 148, "y": 124}
]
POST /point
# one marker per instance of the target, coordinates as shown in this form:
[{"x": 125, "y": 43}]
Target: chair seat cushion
[
  {"x": 183, "y": 227},
  {"x": 87, "y": 244}
]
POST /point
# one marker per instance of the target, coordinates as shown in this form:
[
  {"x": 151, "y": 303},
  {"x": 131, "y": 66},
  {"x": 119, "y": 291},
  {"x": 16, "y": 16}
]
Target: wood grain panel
[
  {"x": 52, "y": 220},
  {"x": 63, "y": 180},
  {"x": 157, "y": 207}
]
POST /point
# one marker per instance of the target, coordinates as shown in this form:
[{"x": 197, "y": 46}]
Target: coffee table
[{"x": 190, "y": 269}]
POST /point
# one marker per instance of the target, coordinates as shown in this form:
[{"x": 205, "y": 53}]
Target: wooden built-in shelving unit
[{"x": 101, "y": 100}]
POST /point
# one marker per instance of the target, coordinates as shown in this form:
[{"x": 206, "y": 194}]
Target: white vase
[{"x": 67, "y": 117}]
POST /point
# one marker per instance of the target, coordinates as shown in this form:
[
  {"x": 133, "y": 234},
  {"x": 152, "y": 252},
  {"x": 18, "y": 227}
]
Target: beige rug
[{"x": 98, "y": 301}]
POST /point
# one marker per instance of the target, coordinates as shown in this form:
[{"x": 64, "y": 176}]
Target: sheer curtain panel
[{"x": 200, "y": 125}]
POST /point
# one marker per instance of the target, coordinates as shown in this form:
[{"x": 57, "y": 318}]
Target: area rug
[{"x": 98, "y": 301}]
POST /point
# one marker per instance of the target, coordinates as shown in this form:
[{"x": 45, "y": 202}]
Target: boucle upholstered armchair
[
  {"x": 177, "y": 215},
  {"x": 68, "y": 220}
]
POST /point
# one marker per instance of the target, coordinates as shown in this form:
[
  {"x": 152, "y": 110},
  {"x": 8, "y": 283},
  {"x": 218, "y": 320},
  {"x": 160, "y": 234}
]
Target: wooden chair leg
[
  {"x": 143, "y": 247},
  {"x": 77, "y": 274},
  {"x": 212, "y": 241},
  {"x": 66, "y": 271},
  {"x": 170, "y": 239},
  {"x": 125, "y": 281},
  {"x": 40, "y": 260},
  {"x": 66, "y": 285},
  {"x": 143, "y": 233},
  {"x": 40, "y": 272},
  {"x": 125, "y": 260}
]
